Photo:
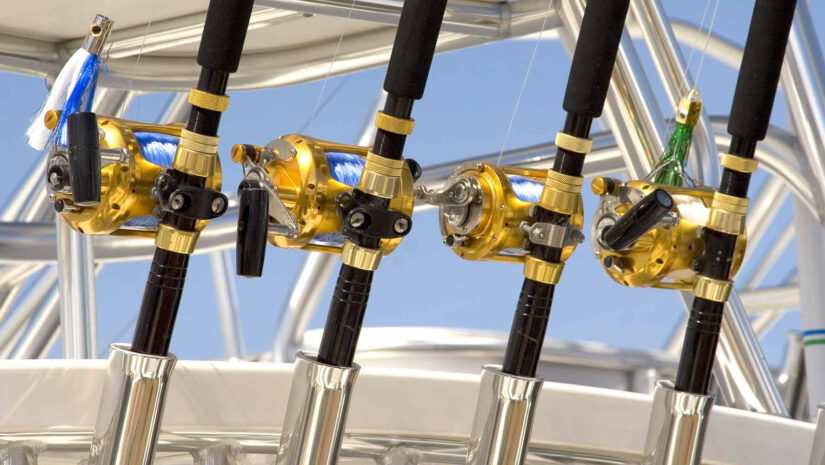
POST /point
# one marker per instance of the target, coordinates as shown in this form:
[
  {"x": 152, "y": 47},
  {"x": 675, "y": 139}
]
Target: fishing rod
[
  {"x": 305, "y": 193},
  {"x": 681, "y": 409},
  {"x": 532, "y": 217},
  {"x": 107, "y": 175}
]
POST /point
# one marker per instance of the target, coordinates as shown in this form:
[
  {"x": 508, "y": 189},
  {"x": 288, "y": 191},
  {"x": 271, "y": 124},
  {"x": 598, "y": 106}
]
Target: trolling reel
[
  {"x": 485, "y": 213},
  {"x": 111, "y": 176},
  {"x": 297, "y": 189},
  {"x": 650, "y": 235}
]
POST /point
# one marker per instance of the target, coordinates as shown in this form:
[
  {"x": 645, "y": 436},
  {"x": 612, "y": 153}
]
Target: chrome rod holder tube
[
  {"x": 503, "y": 419},
  {"x": 677, "y": 426},
  {"x": 818, "y": 449},
  {"x": 131, "y": 409},
  {"x": 316, "y": 412}
]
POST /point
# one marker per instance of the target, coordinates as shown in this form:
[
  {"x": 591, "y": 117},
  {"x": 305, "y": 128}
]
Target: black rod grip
[
  {"x": 640, "y": 219},
  {"x": 414, "y": 46},
  {"x": 345, "y": 316},
  {"x": 592, "y": 66},
  {"x": 524, "y": 345},
  {"x": 760, "y": 68},
  {"x": 253, "y": 223},
  {"x": 161, "y": 299},
  {"x": 84, "y": 158},
  {"x": 224, "y": 33}
]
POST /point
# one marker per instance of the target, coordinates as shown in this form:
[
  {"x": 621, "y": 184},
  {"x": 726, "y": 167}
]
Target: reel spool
[
  {"x": 485, "y": 213},
  {"x": 131, "y": 158},
  {"x": 665, "y": 253},
  {"x": 303, "y": 177}
]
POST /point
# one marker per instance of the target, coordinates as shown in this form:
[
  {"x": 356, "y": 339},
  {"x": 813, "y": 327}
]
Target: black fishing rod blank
[
  {"x": 676, "y": 434},
  {"x": 363, "y": 211},
  {"x": 748, "y": 124},
  {"x": 185, "y": 196}
]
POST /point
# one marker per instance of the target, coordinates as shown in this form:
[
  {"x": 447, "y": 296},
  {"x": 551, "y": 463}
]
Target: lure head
[
  {"x": 304, "y": 178},
  {"x": 133, "y": 156},
  {"x": 690, "y": 108},
  {"x": 485, "y": 212},
  {"x": 666, "y": 255}
]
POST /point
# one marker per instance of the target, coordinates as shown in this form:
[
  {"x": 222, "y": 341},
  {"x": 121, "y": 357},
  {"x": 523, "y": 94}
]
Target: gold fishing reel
[
  {"x": 113, "y": 189},
  {"x": 657, "y": 242},
  {"x": 485, "y": 213},
  {"x": 304, "y": 179}
]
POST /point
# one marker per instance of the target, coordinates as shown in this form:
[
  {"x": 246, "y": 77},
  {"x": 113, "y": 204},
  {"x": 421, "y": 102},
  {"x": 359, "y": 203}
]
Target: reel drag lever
[
  {"x": 253, "y": 219},
  {"x": 641, "y": 218},
  {"x": 84, "y": 158}
]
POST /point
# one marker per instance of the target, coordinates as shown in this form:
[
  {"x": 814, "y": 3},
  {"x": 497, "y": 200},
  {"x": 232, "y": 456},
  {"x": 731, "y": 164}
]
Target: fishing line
[
  {"x": 137, "y": 61},
  {"x": 331, "y": 63},
  {"x": 707, "y": 41},
  {"x": 524, "y": 82},
  {"x": 325, "y": 103}
]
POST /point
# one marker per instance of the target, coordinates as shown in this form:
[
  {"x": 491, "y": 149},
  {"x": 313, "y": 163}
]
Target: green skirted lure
[{"x": 671, "y": 169}]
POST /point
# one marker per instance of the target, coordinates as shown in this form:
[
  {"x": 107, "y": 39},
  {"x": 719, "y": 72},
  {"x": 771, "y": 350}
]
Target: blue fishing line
[
  {"x": 81, "y": 96},
  {"x": 526, "y": 189},
  {"x": 345, "y": 168},
  {"x": 143, "y": 222},
  {"x": 156, "y": 148}
]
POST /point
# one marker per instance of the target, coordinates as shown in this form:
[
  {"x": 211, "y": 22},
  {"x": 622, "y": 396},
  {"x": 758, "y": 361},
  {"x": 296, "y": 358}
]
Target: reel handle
[
  {"x": 224, "y": 33},
  {"x": 84, "y": 158},
  {"x": 414, "y": 47},
  {"x": 596, "y": 48},
  {"x": 764, "y": 52},
  {"x": 253, "y": 223},
  {"x": 640, "y": 219}
]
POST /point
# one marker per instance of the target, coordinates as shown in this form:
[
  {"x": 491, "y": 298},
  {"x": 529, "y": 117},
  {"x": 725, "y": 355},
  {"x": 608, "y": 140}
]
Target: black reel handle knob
[
  {"x": 253, "y": 223},
  {"x": 84, "y": 158},
  {"x": 640, "y": 219}
]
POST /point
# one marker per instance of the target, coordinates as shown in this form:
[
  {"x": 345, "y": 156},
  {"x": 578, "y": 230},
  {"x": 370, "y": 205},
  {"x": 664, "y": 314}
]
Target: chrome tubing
[
  {"x": 131, "y": 409},
  {"x": 19, "y": 454},
  {"x": 677, "y": 427},
  {"x": 504, "y": 417},
  {"x": 818, "y": 449},
  {"x": 316, "y": 412}
]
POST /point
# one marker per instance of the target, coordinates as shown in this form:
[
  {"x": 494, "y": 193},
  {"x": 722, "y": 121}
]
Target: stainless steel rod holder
[
  {"x": 818, "y": 449},
  {"x": 677, "y": 427},
  {"x": 131, "y": 409},
  {"x": 316, "y": 412},
  {"x": 503, "y": 419}
]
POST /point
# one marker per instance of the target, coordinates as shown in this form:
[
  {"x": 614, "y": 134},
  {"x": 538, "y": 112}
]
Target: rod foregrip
[
  {"x": 412, "y": 52},
  {"x": 84, "y": 157},
  {"x": 224, "y": 33},
  {"x": 596, "y": 48},
  {"x": 760, "y": 68},
  {"x": 161, "y": 299},
  {"x": 345, "y": 316},
  {"x": 638, "y": 220},
  {"x": 699, "y": 348},
  {"x": 527, "y": 331}
]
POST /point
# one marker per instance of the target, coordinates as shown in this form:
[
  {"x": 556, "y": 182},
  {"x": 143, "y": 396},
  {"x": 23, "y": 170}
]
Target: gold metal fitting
[
  {"x": 716, "y": 290},
  {"x": 125, "y": 184},
  {"x": 196, "y": 155},
  {"x": 690, "y": 108},
  {"x": 308, "y": 192},
  {"x": 175, "y": 240},
  {"x": 381, "y": 176},
  {"x": 573, "y": 143},
  {"x": 360, "y": 257},
  {"x": 208, "y": 101},
  {"x": 394, "y": 124},
  {"x": 728, "y": 214},
  {"x": 664, "y": 256},
  {"x": 562, "y": 193},
  {"x": 51, "y": 118},
  {"x": 541, "y": 271},
  {"x": 740, "y": 164}
]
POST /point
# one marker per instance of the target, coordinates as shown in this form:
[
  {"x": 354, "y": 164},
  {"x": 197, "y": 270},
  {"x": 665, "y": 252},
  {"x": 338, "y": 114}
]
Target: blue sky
[{"x": 466, "y": 110}]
